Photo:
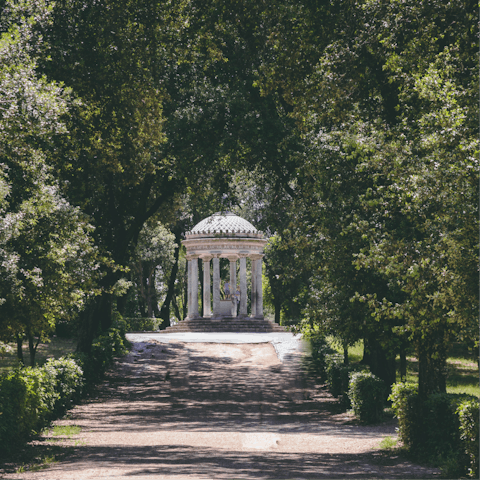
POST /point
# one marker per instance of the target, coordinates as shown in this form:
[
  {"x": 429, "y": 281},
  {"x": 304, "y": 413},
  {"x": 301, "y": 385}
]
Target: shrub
[
  {"x": 404, "y": 398},
  {"x": 105, "y": 348},
  {"x": 320, "y": 350},
  {"x": 15, "y": 417},
  {"x": 337, "y": 374},
  {"x": 142, "y": 324},
  {"x": 29, "y": 397},
  {"x": 338, "y": 377},
  {"x": 468, "y": 413},
  {"x": 366, "y": 393},
  {"x": 66, "y": 378},
  {"x": 434, "y": 429}
]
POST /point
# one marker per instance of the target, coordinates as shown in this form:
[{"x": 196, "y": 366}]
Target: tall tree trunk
[
  {"x": 278, "y": 309},
  {"x": 185, "y": 291},
  {"x": 175, "y": 308},
  {"x": 32, "y": 348},
  {"x": 200, "y": 275},
  {"x": 380, "y": 360},
  {"x": 345, "y": 354},
  {"x": 150, "y": 290},
  {"x": 20, "y": 348},
  {"x": 431, "y": 369},
  {"x": 403, "y": 362},
  {"x": 95, "y": 318},
  {"x": 165, "y": 310}
]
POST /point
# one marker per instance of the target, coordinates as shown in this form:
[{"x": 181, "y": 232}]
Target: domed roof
[{"x": 227, "y": 223}]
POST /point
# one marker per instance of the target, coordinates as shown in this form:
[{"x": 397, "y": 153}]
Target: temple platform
[{"x": 226, "y": 324}]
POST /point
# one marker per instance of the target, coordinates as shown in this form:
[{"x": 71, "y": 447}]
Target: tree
[
  {"x": 48, "y": 259},
  {"x": 387, "y": 95}
]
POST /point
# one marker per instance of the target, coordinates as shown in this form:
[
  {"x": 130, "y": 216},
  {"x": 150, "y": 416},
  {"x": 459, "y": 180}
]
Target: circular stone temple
[{"x": 225, "y": 235}]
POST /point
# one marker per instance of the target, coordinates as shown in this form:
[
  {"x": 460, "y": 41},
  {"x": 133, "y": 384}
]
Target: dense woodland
[{"x": 346, "y": 130}]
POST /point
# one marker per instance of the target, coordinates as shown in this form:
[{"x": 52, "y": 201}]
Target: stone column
[
  {"x": 257, "y": 293},
  {"x": 254, "y": 288},
  {"x": 259, "y": 307},
  {"x": 216, "y": 284},
  {"x": 189, "y": 286},
  {"x": 193, "y": 286},
  {"x": 243, "y": 284},
  {"x": 207, "y": 309},
  {"x": 233, "y": 282}
]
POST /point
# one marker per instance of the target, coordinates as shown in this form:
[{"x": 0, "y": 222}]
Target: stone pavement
[{"x": 287, "y": 345}]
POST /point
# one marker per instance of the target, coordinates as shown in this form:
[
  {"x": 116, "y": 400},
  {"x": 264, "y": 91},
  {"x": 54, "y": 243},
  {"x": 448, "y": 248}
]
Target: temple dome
[{"x": 224, "y": 223}]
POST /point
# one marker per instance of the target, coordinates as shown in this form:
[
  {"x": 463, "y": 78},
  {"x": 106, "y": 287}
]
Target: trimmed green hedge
[
  {"x": 468, "y": 413},
  {"x": 443, "y": 428},
  {"x": 367, "y": 393},
  {"x": 427, "y": 429},
  {"x": 319, "y": 352},
  {"x": 30, "y": 397},
  {"x": 338, "y": 377}
]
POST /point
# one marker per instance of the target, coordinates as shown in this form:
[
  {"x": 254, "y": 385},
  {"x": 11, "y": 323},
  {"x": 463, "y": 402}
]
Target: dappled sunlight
[{"x": 171, "y": 410}]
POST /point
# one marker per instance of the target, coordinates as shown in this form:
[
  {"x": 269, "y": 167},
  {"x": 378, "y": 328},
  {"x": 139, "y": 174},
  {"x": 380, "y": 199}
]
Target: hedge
[
  {"x": 443, "y": 428},
  {"x": 468, "y": 413},
  {"x": 366, "y": 394},
  {"x": 31, "y": 397},
  {"x": 142, "y": 324},
  {"x": 319, "y": 352}
]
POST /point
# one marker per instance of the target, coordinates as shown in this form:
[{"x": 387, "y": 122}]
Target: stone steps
[{"x": 244, "y": 325}]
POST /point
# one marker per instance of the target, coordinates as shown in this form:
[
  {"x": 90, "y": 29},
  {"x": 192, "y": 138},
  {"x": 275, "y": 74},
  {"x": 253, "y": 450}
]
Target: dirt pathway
[{"x": 207, "y": 410}]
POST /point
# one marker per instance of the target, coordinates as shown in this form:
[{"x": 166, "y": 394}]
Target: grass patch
[
  {"x": 388, "y": 443},
  {"x": 355, "y": 352},
  {"x": 462, "y": 374},
  {"x": 56, "y": 348},
  {"x": 462, "y": 368},
  {"x": 45, "y": 462},
  {"x": 66, "y": 430}
]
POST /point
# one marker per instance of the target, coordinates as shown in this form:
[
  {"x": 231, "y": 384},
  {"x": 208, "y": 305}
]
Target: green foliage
[
  {"x": 49, "y": 258},
  {"x": 142, "y": 324},
  {"x": 66, "y": 430},
  {"x": 399, "y": 396},
  {"x": 67, "y": 378},
  {"x": 29, "y": 397},
  {"x": 105, "y": 348},
  {"x": 367, "y": 396},
  {"x": 338, "y": 376},
  {"x": 388, "y": 443},
  {"x": 442, "y": 429},
  {"x": 468, "y": 413}
]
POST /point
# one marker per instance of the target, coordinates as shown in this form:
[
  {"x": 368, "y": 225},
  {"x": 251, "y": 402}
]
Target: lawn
[
  {"x": 56, "y": 348},
  {"x": 462, "y": 369}
]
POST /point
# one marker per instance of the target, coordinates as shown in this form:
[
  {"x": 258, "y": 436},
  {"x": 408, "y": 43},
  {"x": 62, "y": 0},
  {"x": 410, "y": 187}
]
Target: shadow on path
[{"x": 219, "y": 411}]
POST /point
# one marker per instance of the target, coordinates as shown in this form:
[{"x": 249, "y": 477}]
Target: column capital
[
  {"x": 244, "y": 254},
  {"x": 206, "y": 257},
  {"x": 256, "y": 256},
  {"x": 191, "y": 256},
  {"x": 233, "y": 257},
  {"x": 216, "y": 254}
]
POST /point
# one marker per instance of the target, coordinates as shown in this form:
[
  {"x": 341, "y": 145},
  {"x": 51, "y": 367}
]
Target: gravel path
[{"x": 177, "y": 408}]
